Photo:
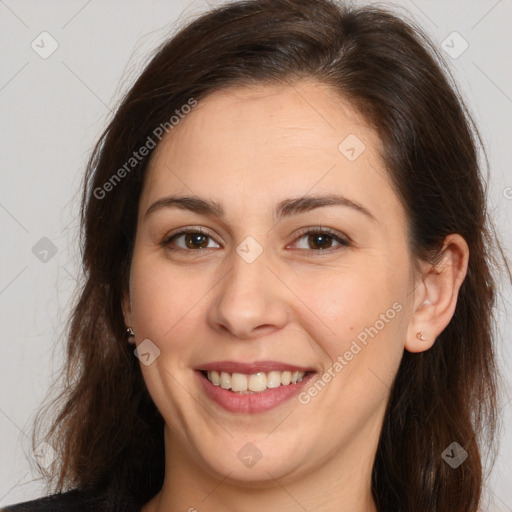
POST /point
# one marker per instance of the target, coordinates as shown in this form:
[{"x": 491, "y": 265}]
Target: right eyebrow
[{"x": 191, "y": 203}]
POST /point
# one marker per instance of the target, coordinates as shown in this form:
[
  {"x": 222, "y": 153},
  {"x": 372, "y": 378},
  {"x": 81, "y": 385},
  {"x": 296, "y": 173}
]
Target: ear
[
  {"x": 435, "y": 294},
  {"x": 127, "y": 308}
]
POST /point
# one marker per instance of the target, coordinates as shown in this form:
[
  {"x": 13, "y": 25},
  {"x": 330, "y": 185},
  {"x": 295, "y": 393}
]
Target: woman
[{"x": 288, "y": 296}]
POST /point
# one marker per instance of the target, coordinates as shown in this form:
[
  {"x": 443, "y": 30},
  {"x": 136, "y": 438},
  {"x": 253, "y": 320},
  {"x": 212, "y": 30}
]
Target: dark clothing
[{"x": 73, "y": 501}]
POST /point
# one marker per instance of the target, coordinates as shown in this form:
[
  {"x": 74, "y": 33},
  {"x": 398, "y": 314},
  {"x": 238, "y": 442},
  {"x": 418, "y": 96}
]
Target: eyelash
[{"x": 343, "y": 241}]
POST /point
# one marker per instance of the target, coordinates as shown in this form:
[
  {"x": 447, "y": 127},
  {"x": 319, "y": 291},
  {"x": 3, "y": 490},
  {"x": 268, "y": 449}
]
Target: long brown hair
[{"x": 107, "y": 431}]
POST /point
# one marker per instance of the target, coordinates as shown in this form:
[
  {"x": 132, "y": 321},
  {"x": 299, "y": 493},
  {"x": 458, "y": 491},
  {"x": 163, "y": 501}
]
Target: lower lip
[{"x": 252, "y": 403}]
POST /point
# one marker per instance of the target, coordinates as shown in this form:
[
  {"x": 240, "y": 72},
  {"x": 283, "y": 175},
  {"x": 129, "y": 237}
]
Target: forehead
[
  {"x": 251, "y": 146},
  {"x": 271, "y": 121}
]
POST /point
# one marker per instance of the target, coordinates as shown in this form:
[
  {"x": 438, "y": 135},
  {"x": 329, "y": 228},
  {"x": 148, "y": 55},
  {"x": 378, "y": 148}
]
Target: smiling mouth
[{"x": 253, "y": 383}]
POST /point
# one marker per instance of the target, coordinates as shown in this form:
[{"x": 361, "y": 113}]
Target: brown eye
[
  {"x": 190, "y": 240},
  {"x": 318, "y": 240},
  {"x": 196, "y": 241}
]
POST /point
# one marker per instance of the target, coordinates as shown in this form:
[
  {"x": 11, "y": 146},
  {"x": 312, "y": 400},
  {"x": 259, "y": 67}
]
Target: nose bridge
[{"x": 249, "y": 297}]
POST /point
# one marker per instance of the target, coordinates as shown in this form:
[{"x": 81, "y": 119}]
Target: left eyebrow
[
  {"x": 285, "y": 208},
  {"x": 303, "y": 204}
]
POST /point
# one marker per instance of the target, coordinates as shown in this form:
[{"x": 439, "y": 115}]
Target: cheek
[
  {"x": 362, "y": 315},
  {"x": 347, "y": 300},
  {"x": 163, "y": 297}
]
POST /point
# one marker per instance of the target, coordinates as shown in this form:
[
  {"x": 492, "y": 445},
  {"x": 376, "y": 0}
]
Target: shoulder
[{"x": 70, "y": 501}]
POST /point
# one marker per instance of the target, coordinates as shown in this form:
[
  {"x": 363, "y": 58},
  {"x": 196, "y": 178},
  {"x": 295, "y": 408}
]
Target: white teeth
[
  {"x": 238, "y": 382},
  {"x": 256, "y": 382},
  {"x": 273, "y": 379},
  {"x": 286, "y": 378},
  {"x": 225, "y": 380},
  {"x": 215, "y": 377}
]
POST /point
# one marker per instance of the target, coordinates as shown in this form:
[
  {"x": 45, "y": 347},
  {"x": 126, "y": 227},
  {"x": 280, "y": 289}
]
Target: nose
[{"x": 250, "y": 301}]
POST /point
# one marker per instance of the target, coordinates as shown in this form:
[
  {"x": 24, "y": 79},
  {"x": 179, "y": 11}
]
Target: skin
[{"x": 248, "y": 148}]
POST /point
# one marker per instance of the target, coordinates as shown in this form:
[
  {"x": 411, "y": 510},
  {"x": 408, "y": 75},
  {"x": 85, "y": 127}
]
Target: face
[{"x": 301, "y": 264}]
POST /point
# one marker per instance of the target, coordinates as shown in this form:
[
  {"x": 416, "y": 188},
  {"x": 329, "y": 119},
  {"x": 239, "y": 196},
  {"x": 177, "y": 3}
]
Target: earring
[
  {"x": 420, "y": 336},
  {"x": 131, "y": 335}
]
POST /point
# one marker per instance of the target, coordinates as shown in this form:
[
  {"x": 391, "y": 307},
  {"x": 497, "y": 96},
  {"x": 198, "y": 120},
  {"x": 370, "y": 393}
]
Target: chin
[{"x": 255, "y": 465}]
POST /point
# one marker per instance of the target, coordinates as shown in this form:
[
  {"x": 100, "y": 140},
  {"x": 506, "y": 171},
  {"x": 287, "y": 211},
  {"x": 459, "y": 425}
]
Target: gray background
[{"x": 53, "y": 110}]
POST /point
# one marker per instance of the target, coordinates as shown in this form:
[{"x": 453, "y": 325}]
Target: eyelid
[{"x": 323, "y": 229}]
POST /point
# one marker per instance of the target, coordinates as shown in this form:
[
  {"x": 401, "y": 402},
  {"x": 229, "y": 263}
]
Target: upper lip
[{"x": 252, "y": 368}]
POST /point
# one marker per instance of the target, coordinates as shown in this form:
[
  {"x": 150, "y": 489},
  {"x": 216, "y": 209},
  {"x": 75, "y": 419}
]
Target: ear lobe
[{"x": 436, "y": 296}]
